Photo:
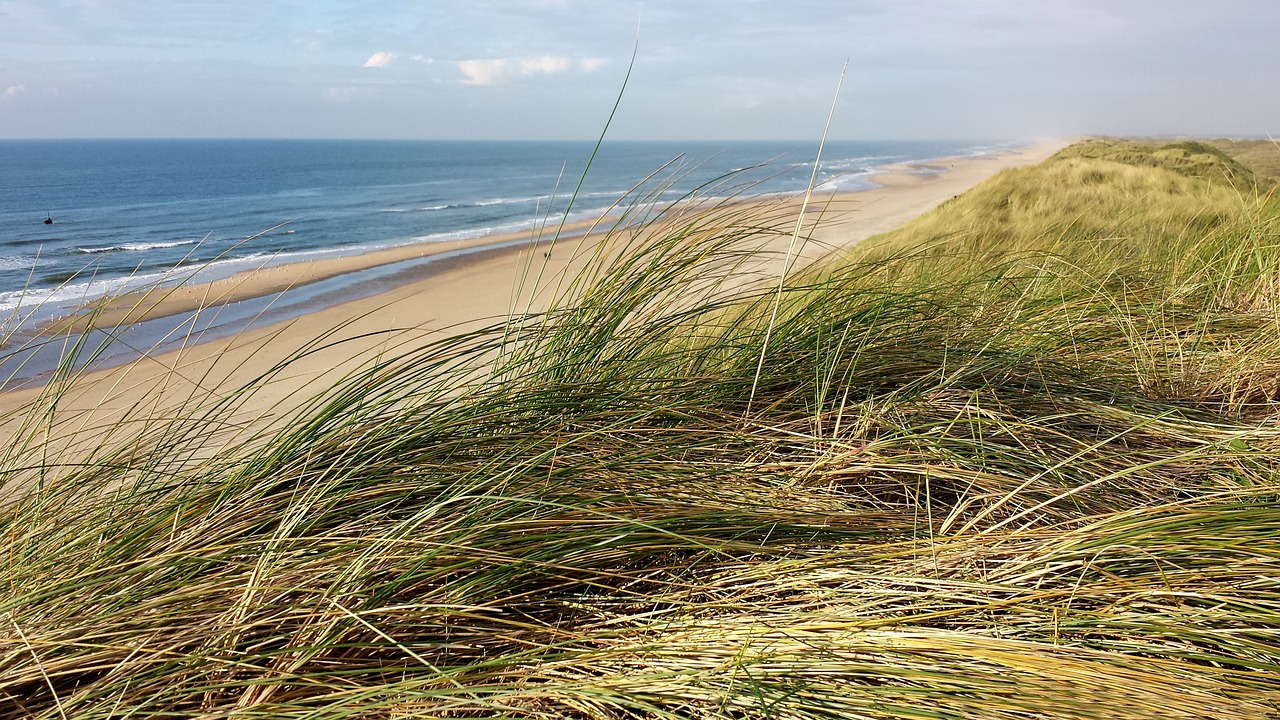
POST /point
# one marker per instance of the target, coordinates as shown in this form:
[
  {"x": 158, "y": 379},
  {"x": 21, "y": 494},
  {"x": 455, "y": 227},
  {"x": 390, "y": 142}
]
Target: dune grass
[
  {"x": 1260, "y": 156},
  {"x": 1017, "y": 459}
]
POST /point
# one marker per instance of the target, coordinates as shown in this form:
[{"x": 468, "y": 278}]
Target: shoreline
[
  {"x": 165, "y": 301},
  {"x": 450, "y": 297}
]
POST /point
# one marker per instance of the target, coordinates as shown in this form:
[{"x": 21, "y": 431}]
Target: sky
[{"x": 703, "y": 70}]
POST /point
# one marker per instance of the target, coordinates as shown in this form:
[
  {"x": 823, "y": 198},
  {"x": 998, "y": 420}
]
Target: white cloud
[
  {"x": 492, "y": 71},
  {"x": 483, "y": 72},
  {"x": 543, "y": 65},
  {"x": 590, "y": 64},
  {"x": 379, "y": 59},
  {"x": 422, "y": 59},
  {"x": 13, "y": 91}
]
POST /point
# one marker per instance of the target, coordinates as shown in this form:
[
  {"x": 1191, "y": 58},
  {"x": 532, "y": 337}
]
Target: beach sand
[{"x": 444, "y": 297}]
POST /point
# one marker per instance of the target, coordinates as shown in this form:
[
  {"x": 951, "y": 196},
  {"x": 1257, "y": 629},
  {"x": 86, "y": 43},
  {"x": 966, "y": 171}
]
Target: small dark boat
[{"x": 48, "y": 220}]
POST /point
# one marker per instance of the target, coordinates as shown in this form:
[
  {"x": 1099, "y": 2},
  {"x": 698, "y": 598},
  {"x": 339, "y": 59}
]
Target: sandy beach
[{"x": 449, "y": 296}]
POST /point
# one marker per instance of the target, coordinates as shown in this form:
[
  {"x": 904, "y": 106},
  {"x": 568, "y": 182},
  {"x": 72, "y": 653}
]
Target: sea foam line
[{"x": 135, "y": 247}]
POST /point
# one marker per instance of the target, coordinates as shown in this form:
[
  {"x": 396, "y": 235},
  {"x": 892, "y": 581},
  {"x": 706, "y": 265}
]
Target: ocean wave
[
  {"x": 602, "y": 193},
  {"x": 510, "y": 200},
  {"x": 134, "y": 247},
  {"x": 70, "y": 294},
  {"x": 501, "y": 229},
  {"x": 864, "y": 162},
  {"x": 60, "y": 300},
  {"x": 847, "y": 182},
  {"x": 17, "y": 262},
  {"x": 489, "y": 202}
]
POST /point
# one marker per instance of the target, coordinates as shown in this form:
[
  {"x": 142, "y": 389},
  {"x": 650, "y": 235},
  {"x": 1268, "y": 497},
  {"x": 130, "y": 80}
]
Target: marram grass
[{"x": 1006, "y": 467}]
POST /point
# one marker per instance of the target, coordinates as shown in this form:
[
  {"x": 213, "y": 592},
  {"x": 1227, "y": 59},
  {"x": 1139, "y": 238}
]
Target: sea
[{"x": 80, "y": 219}]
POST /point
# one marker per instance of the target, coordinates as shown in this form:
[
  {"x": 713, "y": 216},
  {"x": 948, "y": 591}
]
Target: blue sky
[{"x": 550, "y": 69}]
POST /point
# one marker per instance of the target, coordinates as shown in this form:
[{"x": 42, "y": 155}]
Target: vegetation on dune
[
  {"x": 1017, "y": 459},
  {"x": 1260, "y": 156},
  {"x": 1185, "y": 157},
  {"x": 1119, "y": 199},
  {"x": 1172, "y": 270}
]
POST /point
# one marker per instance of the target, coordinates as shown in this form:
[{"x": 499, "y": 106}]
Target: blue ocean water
[{"x": 128, "y": 213}]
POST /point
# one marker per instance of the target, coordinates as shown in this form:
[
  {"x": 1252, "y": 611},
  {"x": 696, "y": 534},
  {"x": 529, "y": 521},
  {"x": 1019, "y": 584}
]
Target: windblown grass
[{"x": 1017, "y": 460}]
